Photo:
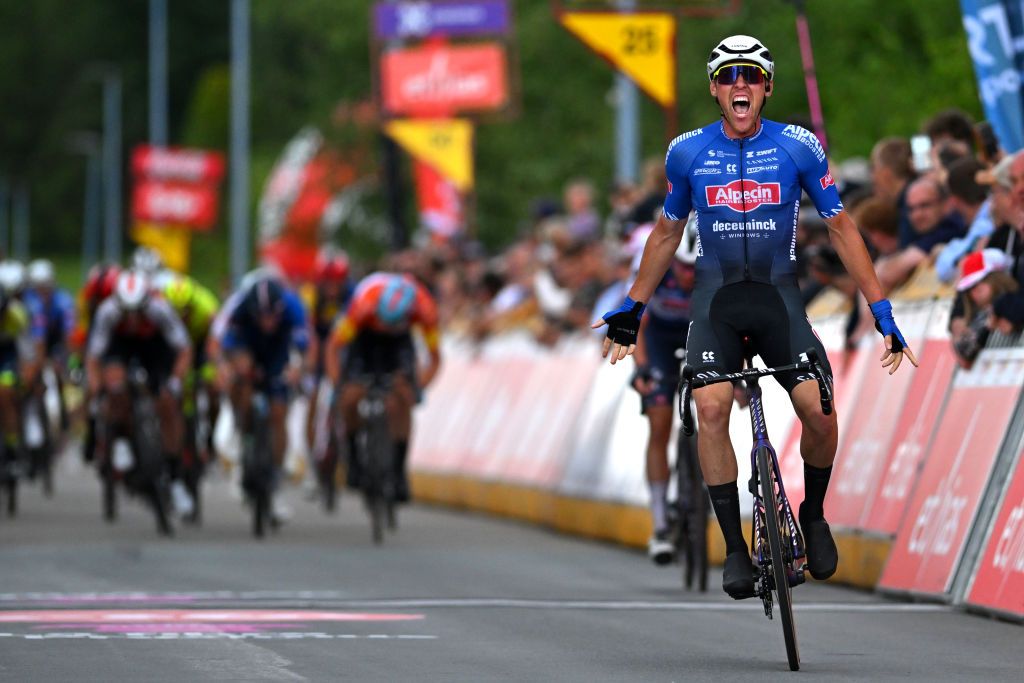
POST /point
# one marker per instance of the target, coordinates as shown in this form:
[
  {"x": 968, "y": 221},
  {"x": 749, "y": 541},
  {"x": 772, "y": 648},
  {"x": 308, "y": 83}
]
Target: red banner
[
  {"x": 934, "y": 530},
  {"x": 861, "y": 457},
  {"x": 160, "y": 202},
  {"x": 443, "y": 80},
  {"x": 178, "y": 164},
  {"x": 441, "y": 206},
  {"x": 918, "y": 421},
  {"x": 999, "y": 581}
]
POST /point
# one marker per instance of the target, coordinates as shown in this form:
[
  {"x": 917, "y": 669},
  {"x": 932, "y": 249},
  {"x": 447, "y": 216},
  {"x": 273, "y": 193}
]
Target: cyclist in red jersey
[{"x": 376, "y": 334}]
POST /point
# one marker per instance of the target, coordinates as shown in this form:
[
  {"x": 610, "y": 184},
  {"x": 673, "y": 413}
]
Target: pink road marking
[
  {"x": 199, "y": 616},
  {"x": 182, "y": 627}
]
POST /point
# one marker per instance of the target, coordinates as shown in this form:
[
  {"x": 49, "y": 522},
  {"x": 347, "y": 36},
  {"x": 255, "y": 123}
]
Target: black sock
[
  {"x": 815, "y": 486},
  {"x": 725, "y": 498},
  {"x": 401, "y": 451}
]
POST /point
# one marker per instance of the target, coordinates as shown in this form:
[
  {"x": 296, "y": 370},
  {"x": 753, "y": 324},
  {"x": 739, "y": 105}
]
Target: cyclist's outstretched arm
[
  {"x": 657, "y": 257},
  {"x": 850, "y": 247}
]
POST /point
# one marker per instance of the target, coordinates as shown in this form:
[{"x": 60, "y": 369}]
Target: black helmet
[{"x": 265, "y": 298}]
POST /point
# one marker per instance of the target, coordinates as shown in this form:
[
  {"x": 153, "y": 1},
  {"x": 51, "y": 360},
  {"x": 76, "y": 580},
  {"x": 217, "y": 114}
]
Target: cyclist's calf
[
  {"x": 714, "y": 447},
  {"x": 820, "y": 436}
]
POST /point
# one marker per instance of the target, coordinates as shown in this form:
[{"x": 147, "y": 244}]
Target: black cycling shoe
[
  {"x": 738, "y": 576},
  {"x": 822, "y": 556},
  {"x": 402, "y": 489}
]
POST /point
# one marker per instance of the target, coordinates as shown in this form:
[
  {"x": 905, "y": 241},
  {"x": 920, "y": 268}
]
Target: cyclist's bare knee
[
  {"x": 714, "y": 405},
  {"x": 807, "y": 404}
]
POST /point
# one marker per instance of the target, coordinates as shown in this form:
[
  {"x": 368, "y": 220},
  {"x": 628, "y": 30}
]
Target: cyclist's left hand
[
  {"x": 895, "y": 345},
  {"x": 623, "y": 327}
]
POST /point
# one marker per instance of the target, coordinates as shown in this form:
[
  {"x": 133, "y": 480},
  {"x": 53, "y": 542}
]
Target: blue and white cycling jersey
[{"x": 747, "y": 197}]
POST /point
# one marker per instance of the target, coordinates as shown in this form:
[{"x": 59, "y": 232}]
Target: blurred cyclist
[
  {"x": 132, "y": 325},
  {"x": 376, "y": 334},
  {"x": 58, "y": 312},
  {"x": 662, "y": 333},
  {"x": 326, "y": 301},
  {"x": 17, "y": 360},
  {"x": 744, "y": 176},
  {"x": 262, "y": 331}
]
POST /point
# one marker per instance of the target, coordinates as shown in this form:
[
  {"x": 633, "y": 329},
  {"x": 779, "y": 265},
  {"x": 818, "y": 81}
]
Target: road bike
[
  {"x": 374, "y": 449},
  {"x": 133, "y": 454},
  {"x": 777, "y": 545},
  {"x": 258, "y": 465},
  {"x": 688, "y": 514}
]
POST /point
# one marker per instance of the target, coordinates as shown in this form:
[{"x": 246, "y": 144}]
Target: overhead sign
[
  {"x": 420, "y": 18},
  {"x": 172, "y": 242},
  {"x": 442, "y": 210},
  {"x": 175, "y": 163},
  {"x": 160, "y": 202},
  {"x": 640, "y": 45},
  {"x": 444, "y": 80},
  {"x": 444, "y": 144}
]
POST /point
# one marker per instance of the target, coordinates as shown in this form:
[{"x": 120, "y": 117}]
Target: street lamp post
[{"x": 239, "y": 153}]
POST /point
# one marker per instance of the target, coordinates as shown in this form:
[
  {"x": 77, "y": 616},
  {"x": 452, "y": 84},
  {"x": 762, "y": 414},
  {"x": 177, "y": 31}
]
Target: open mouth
[{"x": 741, "y": 104}]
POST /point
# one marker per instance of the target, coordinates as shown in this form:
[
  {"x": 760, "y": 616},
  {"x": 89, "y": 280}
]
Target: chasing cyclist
[
  {"x": 377, "y": 331},
  {"x": 662, "y": 333},
  {"x": 743, "y": 176}
]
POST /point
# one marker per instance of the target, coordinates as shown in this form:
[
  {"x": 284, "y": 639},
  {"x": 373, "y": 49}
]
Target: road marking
[
  {"x": 286, "y": 635},
  {"x": 169, "y": 616}
]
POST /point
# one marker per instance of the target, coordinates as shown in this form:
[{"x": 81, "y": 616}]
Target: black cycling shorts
[
  {"x": 378, "y": 353},
  {"x": 772, "y": 317},
  {"x": 154, "y": 355},
  {"x": 662, "y": 342}
]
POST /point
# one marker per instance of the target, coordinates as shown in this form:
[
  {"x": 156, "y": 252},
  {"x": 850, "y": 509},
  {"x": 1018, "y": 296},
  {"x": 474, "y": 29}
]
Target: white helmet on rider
[
  {"x": 132, "y": 289},
  {"x": 689, "y": 246},
  {"x": 147, "y": 261},
  {"x": 12, "y": 276},
  {"x": 740, "y": 48},
  {"x": 41, "y": 273}
]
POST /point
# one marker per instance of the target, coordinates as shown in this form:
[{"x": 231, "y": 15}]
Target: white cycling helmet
[
  {"x": 41, "y": 273},
  {"x": 132, "y": 289},
  {"x": 12, "y": 276},
  {"x": 147, "y": 261},
  {"x": 740, "y": 48},
  {"x": 689, "y": 246}
]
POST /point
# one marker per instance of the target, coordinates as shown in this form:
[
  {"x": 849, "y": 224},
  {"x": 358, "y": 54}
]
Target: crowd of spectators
[{"x": 951, "y": 204}]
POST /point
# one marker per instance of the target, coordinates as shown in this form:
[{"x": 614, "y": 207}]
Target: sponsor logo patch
[
  {"x": 743, "y": 195},
  {"x": 826, "y": 180},
  {"x": 807, "y": 138},
  {"x": 712, "y": 162}
]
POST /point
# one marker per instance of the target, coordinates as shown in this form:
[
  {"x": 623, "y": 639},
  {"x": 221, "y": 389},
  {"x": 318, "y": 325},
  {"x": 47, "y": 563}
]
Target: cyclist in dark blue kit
[{"x": 744, "y": 176}]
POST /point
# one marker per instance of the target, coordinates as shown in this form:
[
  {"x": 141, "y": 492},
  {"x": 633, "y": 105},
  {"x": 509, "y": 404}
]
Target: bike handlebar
[{"x": 688, "y": 382}]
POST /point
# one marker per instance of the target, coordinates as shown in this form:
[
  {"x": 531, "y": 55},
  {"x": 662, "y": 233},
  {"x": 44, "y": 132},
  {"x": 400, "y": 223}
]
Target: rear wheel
[
  {"x": 109, "y": 497},
  {"x": 779, "y": 552}
]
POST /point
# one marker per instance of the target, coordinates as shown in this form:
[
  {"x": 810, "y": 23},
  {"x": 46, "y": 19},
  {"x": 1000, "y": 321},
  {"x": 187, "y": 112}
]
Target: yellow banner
[
  {"x": 172, "y": 242},
  {"x": 641, "y": 45},
  {"x": 445, "y": 144}
]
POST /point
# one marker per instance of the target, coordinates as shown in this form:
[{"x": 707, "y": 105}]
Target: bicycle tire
[
  {"x": 692, "y": 514},
  {"x": 109, "y": 497},
  {"x": 766, "y": 477}
]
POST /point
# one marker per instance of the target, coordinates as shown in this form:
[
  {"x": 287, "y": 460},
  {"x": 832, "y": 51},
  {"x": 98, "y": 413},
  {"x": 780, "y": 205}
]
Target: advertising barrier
[
  {"x": 924, "y": 400},
  {"x": 998, "y": 582},
  {"x": 871, "y": 420},
  {"x": 942, "y": 510}
]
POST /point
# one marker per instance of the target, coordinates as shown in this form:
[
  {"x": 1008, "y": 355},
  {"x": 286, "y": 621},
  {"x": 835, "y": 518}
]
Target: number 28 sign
[{"x": 640, "y": 44}]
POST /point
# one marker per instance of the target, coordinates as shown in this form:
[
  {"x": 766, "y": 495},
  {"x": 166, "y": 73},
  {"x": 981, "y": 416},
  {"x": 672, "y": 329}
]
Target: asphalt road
[{"x": 449, "y": 597}]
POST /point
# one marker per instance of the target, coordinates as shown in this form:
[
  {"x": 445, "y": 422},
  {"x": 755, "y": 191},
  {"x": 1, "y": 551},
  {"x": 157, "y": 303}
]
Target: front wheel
[{"x": 780, "y": 574}]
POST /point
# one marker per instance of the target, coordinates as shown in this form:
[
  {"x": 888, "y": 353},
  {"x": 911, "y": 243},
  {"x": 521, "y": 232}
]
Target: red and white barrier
[
  {"x": 925, "y": 398},
  {"x": 998, "y": 582},
  {"x": 872, "y": 420},
  {"x": 961, "y": 456}
]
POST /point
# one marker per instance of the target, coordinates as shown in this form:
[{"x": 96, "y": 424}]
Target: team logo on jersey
[
  {"x": 743, "y": 194},
  {"x": 826, "y": 180},
  {"x": 670, "y": 187}
]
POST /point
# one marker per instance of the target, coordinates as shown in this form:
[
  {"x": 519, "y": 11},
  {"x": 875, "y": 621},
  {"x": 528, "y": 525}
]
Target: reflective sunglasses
[{"x": 729, "y": 74}]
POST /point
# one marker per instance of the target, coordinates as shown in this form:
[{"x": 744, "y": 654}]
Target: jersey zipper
[{"x": 743, "y": 200}]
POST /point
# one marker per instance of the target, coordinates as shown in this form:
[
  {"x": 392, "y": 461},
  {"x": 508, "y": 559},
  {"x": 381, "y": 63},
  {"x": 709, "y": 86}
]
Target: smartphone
[{"x": 920, "y": 151}]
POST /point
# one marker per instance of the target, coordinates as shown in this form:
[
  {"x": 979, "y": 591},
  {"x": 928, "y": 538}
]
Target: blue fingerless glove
[
  {"x": 624, "y": 322},
  {"x": 884, "y": 323}
]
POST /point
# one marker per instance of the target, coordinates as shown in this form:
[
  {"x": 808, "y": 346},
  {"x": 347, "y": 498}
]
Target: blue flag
[{"x": 995, "y": 38}]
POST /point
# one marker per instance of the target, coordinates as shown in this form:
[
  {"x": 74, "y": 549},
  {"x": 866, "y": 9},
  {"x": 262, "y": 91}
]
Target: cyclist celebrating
[
  {"x": 661, "y": 335},
  {"x": 377, "y": 328},
  {"x": 743, "y": 176}
]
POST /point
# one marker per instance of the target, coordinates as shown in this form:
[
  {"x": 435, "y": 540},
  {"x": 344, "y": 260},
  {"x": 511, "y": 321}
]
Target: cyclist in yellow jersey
[{"x": 17, "y": 357}]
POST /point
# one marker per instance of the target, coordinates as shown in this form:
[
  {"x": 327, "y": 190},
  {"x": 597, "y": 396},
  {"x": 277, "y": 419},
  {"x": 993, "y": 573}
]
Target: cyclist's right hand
[
  {"x": 623, "y": 326},
  {"x": 644, "y": 380}
]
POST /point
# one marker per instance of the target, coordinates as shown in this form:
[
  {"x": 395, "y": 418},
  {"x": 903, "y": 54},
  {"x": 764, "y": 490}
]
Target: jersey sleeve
[
  {"x": 677, "y": 169},
  {"x": 295, "y": 314},
  {"x": 812, "y": 166},
  {"x": 102, "y": 328},
  {"x": 170, "y": 325},
  {"x": 426, "y": 318}
]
